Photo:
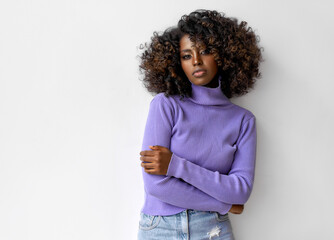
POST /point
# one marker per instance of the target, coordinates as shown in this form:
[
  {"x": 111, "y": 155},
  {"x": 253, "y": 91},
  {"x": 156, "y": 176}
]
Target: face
[{"x": 198, "y": 64}]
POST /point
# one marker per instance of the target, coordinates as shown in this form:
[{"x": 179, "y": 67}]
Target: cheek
[
  {"x": 185, "y": 68},
  {"x": 211, "y": 62},
  {"x": 214, "y": 65}
]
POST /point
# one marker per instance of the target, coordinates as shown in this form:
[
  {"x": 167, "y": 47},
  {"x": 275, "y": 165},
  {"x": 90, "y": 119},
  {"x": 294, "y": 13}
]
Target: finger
[
  {"x": 147, "y": 165},
  {"x": 157, "y": 147},
  {"x": 147, "y": 153},
  {"x": 147, "y": 159},
  {"x": 149, "y": 170}
]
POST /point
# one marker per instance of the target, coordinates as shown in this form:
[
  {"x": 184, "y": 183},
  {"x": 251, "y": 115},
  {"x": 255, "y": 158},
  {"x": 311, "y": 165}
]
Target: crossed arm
[
  {"x": 191, "y": 197},
  {"x": 173, "y": 179}
]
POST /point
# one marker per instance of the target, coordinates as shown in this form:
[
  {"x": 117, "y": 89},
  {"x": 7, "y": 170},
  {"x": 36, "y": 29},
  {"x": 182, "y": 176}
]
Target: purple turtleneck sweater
[{"x": 213, "y": 142}]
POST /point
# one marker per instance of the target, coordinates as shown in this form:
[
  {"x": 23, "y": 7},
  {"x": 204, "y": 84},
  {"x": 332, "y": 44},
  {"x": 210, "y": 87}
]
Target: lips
[{"x": 199, "y": 72}]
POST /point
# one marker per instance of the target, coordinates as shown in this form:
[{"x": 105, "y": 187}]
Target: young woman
[{"x": 199, "y": 149}]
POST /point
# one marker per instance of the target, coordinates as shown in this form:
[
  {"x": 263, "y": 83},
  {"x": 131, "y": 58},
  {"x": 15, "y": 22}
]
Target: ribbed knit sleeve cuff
[{"x": 175, "y": 166}]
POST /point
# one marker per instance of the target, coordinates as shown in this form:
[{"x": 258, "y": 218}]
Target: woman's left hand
[
  {"x": 156, "y": 161},
  {"x": 237, "y": 209}
]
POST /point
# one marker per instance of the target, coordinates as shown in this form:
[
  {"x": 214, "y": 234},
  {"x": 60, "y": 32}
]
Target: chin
[{"x": 200, "y": 82}]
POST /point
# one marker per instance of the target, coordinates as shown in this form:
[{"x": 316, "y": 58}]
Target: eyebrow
[{"x": 186, "y": 50}]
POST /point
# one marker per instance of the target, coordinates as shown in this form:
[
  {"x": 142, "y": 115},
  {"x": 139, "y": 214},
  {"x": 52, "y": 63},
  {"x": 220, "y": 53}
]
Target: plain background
[{"x": 73, "y": 111}]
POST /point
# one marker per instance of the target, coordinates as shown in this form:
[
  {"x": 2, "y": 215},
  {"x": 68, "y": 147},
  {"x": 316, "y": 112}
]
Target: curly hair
[{"x": 233, "y": 45}]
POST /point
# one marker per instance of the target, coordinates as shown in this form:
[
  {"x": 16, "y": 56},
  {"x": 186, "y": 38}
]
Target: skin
[{"x": 192, "y": 59}]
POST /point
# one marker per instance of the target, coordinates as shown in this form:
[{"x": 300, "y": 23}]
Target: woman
[{"x": 199, "y": 149}]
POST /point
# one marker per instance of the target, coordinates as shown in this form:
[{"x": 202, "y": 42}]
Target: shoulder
[
  {"x": 160, "y": 97},
  {"x": 245, "y": 114},
  {"x": 162, "y": 101},
  {"x": 161, "y": 107},
  {"x": 162, "y": 104}
]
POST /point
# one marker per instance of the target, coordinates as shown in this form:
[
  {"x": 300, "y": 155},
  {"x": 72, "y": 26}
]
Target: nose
[{"x": 197, "y": 60}]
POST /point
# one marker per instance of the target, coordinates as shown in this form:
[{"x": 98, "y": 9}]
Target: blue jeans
[{"x": 186, "y": 225}]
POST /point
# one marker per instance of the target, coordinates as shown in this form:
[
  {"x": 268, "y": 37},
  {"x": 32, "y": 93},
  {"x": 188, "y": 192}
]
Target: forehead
[{"x": 186, "y": 43}]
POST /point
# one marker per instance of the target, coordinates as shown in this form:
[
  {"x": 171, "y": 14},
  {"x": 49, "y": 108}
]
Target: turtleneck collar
[{"x": 208, "y": 96}]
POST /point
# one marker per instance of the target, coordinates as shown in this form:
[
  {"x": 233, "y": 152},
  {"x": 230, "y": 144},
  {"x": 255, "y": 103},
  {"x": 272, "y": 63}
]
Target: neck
[
  {"x": 213, "y": 83},
  {"x": 209, "y": 95}
]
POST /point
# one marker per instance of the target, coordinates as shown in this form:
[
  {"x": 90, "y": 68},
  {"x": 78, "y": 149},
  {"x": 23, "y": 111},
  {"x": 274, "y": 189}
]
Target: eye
[
  {"x": 205, "y": 52},
  {"x": 185, "y": 57}
]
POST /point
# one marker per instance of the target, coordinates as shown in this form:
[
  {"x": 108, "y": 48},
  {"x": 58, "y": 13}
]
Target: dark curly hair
[{"x": 233, "y": 45}]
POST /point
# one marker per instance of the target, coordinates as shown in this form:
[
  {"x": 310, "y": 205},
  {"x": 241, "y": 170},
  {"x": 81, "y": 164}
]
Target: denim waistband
[{"x": 192, "y": 211}]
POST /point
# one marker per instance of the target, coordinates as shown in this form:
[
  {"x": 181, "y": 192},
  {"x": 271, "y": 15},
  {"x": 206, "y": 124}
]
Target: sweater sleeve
[
  {"x": 234, "y": 188},
  {"x": 171, "y": 190}
]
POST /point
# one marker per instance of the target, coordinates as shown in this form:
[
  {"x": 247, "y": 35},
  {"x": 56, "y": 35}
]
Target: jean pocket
[
  {"x": 221, "y": 217},
  {"x": 148, "y": 222}
]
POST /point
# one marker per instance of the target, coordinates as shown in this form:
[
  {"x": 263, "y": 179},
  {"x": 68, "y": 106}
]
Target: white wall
[{"x": 72, "y": 116}]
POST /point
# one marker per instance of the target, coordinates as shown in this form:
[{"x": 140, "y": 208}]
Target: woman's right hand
[{"x": 236, "y": 209}]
